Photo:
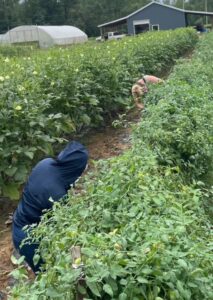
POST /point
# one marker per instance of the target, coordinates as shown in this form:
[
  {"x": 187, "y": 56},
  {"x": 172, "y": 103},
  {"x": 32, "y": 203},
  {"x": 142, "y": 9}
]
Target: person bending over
[
  {"x": 141, "y": 87},
  {"x": 50, "y": 179}
]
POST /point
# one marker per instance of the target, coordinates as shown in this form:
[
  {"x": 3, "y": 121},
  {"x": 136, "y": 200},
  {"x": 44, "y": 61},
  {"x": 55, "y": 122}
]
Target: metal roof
[
  {"x": 196, "y": 12},
  {"x": 62, "y": 31},
  {"x": 164, "y": 5},
  {"x": 115, "y": 21},
  {"x": 56, "y": 32}
]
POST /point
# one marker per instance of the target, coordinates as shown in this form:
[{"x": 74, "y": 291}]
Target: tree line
[{"x": 85, "y": 14}]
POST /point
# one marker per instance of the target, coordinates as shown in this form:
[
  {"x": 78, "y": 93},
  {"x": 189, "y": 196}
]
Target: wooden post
[{"x": 76, "y": 255}]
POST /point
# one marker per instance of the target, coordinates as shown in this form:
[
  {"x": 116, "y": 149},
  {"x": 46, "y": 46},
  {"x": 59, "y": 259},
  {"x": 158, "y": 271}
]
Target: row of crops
[
  {"x": 50, "y": 94},
  {"x": 17, "y": 51},
  {"x": 141, "y": 219}
]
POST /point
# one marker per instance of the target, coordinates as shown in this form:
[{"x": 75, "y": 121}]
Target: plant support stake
[{"x": 77, "y": 264}]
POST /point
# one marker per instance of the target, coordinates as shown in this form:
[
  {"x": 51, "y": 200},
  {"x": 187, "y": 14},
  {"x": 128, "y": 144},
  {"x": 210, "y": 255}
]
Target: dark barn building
[{"x": 154, "y": 16}]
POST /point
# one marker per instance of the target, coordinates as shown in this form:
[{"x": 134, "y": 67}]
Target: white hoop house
[
  {"x": 46, "y": 36},
  {"x": 2, "y": 38}
]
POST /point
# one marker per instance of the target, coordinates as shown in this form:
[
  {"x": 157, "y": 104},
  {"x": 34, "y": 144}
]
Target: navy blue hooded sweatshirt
[{"x": 51, "y": 178}]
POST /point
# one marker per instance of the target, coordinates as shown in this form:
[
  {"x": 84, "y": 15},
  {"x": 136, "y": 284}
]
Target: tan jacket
[{"x": 140, "y": 88}]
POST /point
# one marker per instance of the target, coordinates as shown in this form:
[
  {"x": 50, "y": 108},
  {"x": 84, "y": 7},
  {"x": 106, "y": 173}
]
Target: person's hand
[{"x": 140, "y": 106}]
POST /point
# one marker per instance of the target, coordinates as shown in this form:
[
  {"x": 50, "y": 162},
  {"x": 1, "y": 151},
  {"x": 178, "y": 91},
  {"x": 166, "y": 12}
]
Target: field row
[
  {"x": 49, "y": 94},
  {"x": 140, "y": 220}
]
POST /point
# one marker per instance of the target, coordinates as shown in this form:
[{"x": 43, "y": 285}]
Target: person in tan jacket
[{"x": 141, "y": 87}]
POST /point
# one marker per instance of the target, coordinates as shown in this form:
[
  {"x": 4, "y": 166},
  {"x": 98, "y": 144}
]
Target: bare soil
[{"x": 6, "y": 208}]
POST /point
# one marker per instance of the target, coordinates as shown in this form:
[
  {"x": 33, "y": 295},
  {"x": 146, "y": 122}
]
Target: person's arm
[
  {"x": 160, "y": 80},
  {"x": 138, "y": 103},
  {"x": 137, "y": 92},
  {"x": 152, "y": 79}
]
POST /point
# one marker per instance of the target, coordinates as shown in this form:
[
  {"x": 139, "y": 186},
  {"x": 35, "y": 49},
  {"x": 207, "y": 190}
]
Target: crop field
[
  {"x": 45, "y": 95},
  {"x": 142, "y": 219}
]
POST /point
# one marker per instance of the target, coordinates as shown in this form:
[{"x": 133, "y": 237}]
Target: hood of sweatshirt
[{"x": 71, "y": 162}]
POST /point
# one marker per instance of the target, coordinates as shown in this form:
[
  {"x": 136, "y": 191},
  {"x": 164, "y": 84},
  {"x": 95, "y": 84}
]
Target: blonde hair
[{"x": 137, "y": 91}]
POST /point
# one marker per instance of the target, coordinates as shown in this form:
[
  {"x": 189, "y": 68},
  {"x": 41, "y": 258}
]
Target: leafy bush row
[
  {"x": 140, "y": 220},
  {"x": 50, "y": 93},
  {"x": 16, "y": 50}
]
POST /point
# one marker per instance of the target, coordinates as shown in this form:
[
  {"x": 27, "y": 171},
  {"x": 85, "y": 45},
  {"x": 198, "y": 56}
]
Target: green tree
[
  {"x": 85, "y": 14},
  {"x": 33, "y": 13},
  {"x": 9, "y": 14}
]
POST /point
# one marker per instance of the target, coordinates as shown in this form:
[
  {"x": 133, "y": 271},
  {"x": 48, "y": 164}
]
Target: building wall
[
  {"x": 3, "y": 39},
  {"x": 22, "y": 34},
  {"x": 27, "y": 34},
  {"x": 44, "y": 39},
  {"x": 166, "y": 17}
]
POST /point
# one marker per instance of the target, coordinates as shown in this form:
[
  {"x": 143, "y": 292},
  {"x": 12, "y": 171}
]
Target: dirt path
[
  {"x": 101, "y": 144},
  {"x": 6, "y": 207}
]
